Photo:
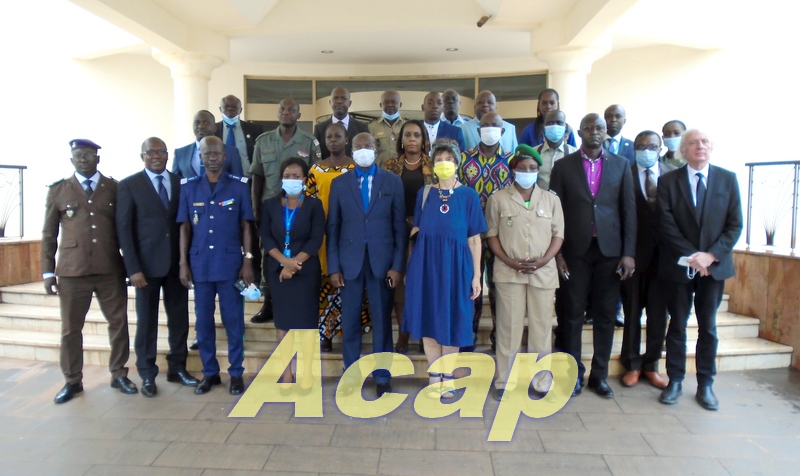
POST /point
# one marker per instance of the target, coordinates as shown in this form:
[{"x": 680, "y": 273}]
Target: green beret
[{"x": 524, "y": 151}]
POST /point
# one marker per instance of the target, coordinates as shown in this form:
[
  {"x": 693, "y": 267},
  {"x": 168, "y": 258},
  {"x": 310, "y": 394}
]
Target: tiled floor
[{"x": 756, "y": 431}]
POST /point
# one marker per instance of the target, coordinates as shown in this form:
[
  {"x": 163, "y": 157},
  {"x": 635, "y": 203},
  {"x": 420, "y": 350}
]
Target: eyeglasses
[
  {"x": 84, "y": 155},
  {"x": 650, "y": 147},
  {"x": 152, "y": 153}
]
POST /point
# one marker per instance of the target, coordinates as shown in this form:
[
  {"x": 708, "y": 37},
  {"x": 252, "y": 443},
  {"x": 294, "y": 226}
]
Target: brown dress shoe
[
  {"x": 656, "y": 379},
  {"x": 631, "y": 378}
]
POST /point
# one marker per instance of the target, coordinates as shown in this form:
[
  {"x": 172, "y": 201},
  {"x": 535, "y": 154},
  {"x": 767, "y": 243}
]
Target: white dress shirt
[
  {"x": 167, "y": 182},
  {"x": 693, "y": 180}
]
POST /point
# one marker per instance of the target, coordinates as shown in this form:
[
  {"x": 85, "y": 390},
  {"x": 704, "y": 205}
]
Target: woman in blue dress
[{"x": 443, "y": 275}]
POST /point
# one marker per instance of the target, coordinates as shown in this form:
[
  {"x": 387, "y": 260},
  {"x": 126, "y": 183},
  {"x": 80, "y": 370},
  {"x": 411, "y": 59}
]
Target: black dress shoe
[
  {"x": 124, "y": 385},
  {"x": 578, "y": 388},
  {"x": 670, "y": 394},
  {"x": 325, "y": 345},
  {"x": 149, "y": 387},
  {"x": 706, "y": 398},
  {"x": 205, "y": 385},
  {"x": 70, "y": 390},
  {"x": 194, "y": 345},
  {"x": 619, "y": 321},
  {"x": 382, "y": 388},
  {"x": 237, "y": 385},
  {"x": 183, "y": 377},
  {"x": 264, "y": 315},
  {"x": 601, "y": 388},
  {"x": 498, "y": 393}
]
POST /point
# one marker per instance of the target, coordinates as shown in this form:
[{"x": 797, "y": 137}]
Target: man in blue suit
[
  {"x": 366, "y": 250},
  {"x": 615, "y": 143},
  {"x": 187, "y": 159},
  {"x": 432, "y": 108}
]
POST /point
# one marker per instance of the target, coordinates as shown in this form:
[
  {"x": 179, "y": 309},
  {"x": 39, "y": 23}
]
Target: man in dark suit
[
  {"x": 366, "y": 250},
  {"x": 596, "y": 191},
  {"x": 700, "y": 219},
  {"x": 147, "y": 205},
  {"x": 432, "y": 108},
  {"x": 615, "y": 119},
  {"x": 644, "y": 290},
  {"x": 237, "y": 132},
  {"x": 340, "y": 105},
  {"x": 187, "y": 159},
  {"x": 81, "y": 209}
]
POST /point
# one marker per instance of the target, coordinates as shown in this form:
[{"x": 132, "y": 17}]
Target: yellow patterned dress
[{"x": 330, "y": 303}]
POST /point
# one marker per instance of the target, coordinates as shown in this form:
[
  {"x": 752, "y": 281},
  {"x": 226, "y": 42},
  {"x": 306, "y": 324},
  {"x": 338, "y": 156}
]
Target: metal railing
[
  {"x": 795, "y": 180},
  {"x": 11, "y": 196}
]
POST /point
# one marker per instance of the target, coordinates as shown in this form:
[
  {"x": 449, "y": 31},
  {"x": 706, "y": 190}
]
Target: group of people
[{"x": 410, "y": 216}]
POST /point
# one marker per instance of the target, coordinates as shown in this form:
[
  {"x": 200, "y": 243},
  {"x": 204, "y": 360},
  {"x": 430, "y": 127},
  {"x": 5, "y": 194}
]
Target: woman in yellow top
[
  {"x": 526, "y": 230},
  {"x": 319, "y": 186},
  {"x": 415, "y": 170}
]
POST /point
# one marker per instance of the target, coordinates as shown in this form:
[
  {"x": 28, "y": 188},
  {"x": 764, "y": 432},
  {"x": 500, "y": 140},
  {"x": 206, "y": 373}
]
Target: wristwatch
[{"x": 248, "y": 255}]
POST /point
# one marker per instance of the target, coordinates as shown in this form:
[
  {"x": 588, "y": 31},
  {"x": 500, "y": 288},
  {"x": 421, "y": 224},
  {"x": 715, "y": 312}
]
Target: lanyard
[{"x": 288, "y": 218}]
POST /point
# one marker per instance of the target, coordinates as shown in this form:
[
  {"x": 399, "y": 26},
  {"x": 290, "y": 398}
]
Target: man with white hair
[{"x": 700, "y": 221}]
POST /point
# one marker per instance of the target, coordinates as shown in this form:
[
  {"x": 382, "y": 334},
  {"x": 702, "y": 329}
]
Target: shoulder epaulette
[
  {"x": 554, "y": 193},
  {"x": 238, "y": 179},
  {"x": 186, "y": 180},
  {"x": 56, "y": 182}
]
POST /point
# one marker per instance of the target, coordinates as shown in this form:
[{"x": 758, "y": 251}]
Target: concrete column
[
  {"x": 190, "y": 73},
  {"x": 568, "y": 68}
]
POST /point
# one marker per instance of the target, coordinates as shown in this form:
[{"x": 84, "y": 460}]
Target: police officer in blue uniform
[{"x": 215, "y": 215}]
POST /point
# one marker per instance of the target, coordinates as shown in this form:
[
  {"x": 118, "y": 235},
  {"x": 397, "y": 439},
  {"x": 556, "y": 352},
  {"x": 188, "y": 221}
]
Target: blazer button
[
  {"x": 211, "y": 231},
  {"x": 94, "y": 240},
  {"x": 211, "y": 247}
]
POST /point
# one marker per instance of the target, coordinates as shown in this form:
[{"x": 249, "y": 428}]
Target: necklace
[
  {"x": 444, "y": 198},
  {"x": 413, "y": 163}
]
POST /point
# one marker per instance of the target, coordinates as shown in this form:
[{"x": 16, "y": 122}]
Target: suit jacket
[
  {"x": 625, "y": 149},
  {"x": 251, "y": 132},
  {"x": 447, "y": 131},
  {"x": 87, "y": 226},
  {"x": 306, "y": 234},
  {"x": 612, "y": 211},
  {"x": 182, "y": 165},
  {"x": 353, "y": 127},
  {"x": 682, "y": 235},
  {"x": 382, "y": 228},
  {"x": 646, "y": 224},
  {"x": 148, "y": 234}
]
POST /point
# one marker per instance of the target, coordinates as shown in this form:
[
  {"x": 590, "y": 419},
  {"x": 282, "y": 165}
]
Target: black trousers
[
  {"x": 176, "y": 305},
  {"x": 597, "y": 274},
  {"x": 706, "y": 292},
  {"x": 643, "y": 291}
]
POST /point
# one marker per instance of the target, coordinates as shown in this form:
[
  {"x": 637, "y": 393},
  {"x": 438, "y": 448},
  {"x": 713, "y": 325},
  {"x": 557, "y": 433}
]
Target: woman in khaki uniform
[{"x": 526, "y": 230}]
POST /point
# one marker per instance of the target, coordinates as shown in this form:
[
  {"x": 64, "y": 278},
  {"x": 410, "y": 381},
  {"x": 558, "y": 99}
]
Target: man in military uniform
[
  {"x": 386, "y": 129},
  {"x": 272, "y": 148},
  {"x": 215, "y": 248},
  {"x": 82, "y": 209}
]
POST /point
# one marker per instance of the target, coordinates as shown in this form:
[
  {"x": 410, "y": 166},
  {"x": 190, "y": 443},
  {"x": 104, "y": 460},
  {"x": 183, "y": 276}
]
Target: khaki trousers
[
  {"x": 75, "y": 295},
  {"x": 514, "y": 302}
]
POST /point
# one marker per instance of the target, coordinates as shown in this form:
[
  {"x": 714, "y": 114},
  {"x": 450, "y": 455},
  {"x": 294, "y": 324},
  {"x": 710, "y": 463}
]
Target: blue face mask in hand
[
  {"x": 554, "y": 132},
  {"x": 646, "y": 158},
  {"x": 251, "y": 293}
]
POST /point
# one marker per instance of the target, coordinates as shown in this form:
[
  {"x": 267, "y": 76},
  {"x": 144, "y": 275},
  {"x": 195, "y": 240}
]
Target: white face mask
[
  {"x": 491, "y": 135},
  {"x": 526, "y": 180},
  {"x": 364, "y": 157}
]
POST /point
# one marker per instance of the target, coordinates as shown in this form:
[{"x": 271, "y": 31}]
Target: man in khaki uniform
[
  {"x": 525, "y": 231},
  {"x": 386, "y": 129},
  {"x": 272, "y": 148},
  {"x": 82, "y": 209}
]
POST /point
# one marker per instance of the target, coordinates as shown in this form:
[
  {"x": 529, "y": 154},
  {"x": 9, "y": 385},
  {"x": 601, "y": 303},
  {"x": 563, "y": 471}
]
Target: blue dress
[{"x": 440, "y": 269}]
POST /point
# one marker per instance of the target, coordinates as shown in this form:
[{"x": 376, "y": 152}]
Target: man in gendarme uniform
[
  {"x": 272, "y": 148},
  {"x": 386, "y": 129}
]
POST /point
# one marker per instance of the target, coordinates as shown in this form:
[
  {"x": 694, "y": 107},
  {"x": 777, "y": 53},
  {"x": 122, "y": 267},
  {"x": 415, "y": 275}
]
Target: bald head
[
  {"x": 485, "y": 102},
  {"x": 390, "y": 102},
  {"x": 363, "y": 140},
  {"x": 340, "y": 102},
  {"x": 615, "y": 119},
  {"x": 230, "y": 106},
  {"x": 452, "y": 104},
  {"x": 432, "y": 107},
  {"x": 491, "y": 119},
  {"x": 288, "y": 112},
  {"x": 593, "y": 131}
]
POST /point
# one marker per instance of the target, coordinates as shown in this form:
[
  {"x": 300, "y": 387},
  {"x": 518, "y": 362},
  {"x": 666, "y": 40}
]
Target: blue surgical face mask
[
  {"x": 646, "y": 158},
  {"x": 526, "y": 180},
  {"x": 554, "y": 132},
  {"x": 230, "y": 121},
  {"x": 672, "y": 143},
  {"x": 292, "y": 186},
  {"x": 390, "y": 117}
]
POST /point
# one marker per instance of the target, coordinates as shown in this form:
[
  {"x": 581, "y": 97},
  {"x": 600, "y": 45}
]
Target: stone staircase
[{"x": 30, "y": 329}]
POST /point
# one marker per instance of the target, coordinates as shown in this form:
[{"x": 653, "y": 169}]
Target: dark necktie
[
  {"x": 162, "y": 191},
  {"x": 87, "y": 185},
  {"x": 364, "y": 176},
  {"x": 651, "y": 188},
  {"x": 231, "y": 140},
  {"x": 700, "y": 196}
]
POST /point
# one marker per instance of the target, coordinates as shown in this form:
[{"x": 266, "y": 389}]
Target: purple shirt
[{"x": 594, "y": 171}]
